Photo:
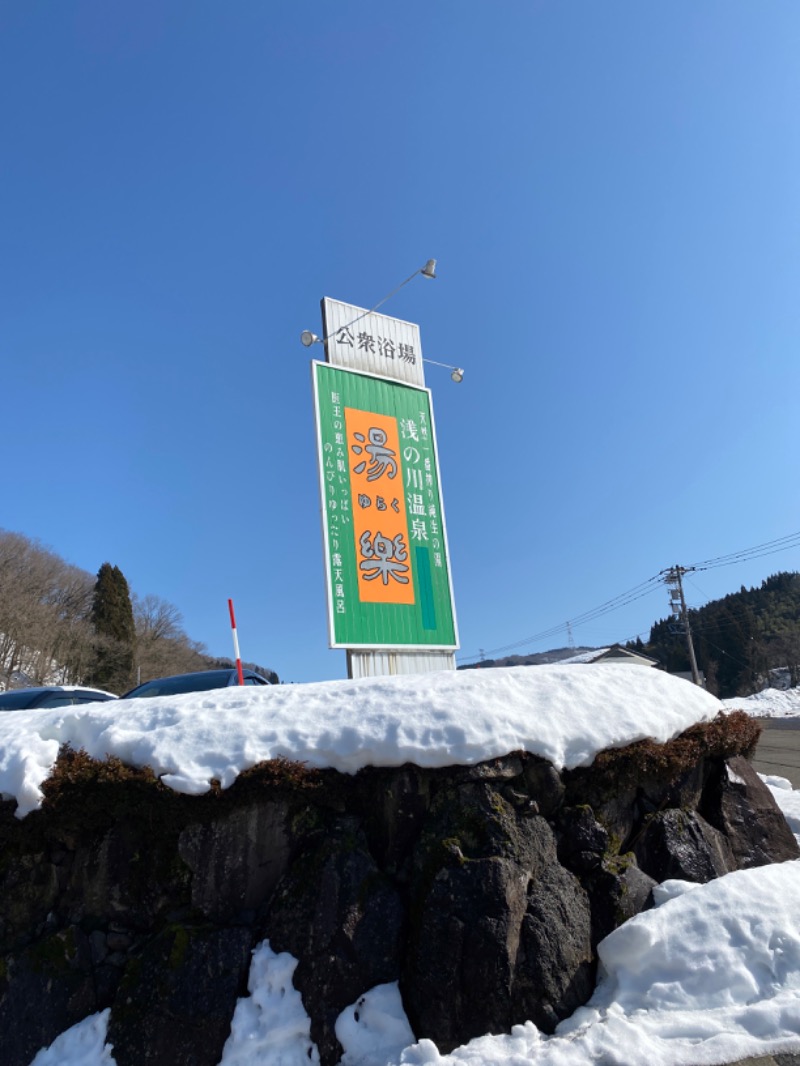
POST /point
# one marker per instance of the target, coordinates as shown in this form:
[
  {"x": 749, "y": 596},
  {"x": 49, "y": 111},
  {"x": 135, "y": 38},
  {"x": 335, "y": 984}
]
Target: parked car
[
  {"x": 201, "y": 681},
  {"x": 23, "y": 699}
]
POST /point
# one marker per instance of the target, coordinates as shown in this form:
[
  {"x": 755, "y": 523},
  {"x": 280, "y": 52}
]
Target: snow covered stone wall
[{"x": 484, "y": 889}]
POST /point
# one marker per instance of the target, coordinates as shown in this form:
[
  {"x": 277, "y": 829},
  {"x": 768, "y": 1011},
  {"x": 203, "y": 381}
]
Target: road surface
[{"x": 778, "y": 750}]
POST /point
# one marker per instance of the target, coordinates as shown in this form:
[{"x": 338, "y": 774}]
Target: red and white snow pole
[{"x": 236, "y": 644}]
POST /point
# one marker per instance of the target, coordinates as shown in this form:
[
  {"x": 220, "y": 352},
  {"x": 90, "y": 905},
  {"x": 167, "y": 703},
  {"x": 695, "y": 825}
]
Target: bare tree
[
  {"x": 162, "y": 646},
  {"x": 46, "y": 629},
  {"x": 72, "y": 647},
  {"x": 44, "y": 609}
]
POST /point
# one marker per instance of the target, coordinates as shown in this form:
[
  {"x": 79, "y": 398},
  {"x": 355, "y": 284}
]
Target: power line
[
  {"x": 770, "y": 547},
  {"x": 636, "y": 593},
  {"x": 758, "y": 551}
]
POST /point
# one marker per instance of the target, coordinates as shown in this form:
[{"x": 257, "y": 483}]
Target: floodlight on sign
[{"x": 308, "y": 338}]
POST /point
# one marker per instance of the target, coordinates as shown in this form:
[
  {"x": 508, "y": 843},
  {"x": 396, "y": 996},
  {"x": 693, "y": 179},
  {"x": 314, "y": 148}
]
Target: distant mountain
[
  {"x": 555, "y": 655},
  {"x": 744, "y": 642}
]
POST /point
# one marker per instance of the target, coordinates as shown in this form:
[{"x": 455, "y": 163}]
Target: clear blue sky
[{"x": 611, "y": 190}]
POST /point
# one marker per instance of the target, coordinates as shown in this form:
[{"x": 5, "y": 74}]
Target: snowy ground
[
  {"x": 771, "y": 703},
  {"x": 710, "y": 975}
]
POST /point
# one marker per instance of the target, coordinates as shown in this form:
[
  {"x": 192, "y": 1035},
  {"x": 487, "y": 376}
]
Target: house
[{"x": 615, "y": 654}]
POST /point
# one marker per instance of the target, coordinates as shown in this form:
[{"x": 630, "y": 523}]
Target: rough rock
[
  {"x": 583, "y": 841},
  {"x": 45, "y": 989},
  {"x": 483, "y": 890},
  {"x": 555, "y": 967},
  {"x": 236, "y": 861},
  {"x": 617, "y": 891},
  {"x": 342, "y": 919},
  {"x": 743, "y": 809},
  {"x": 682, "y": 844},
  {"x": 499, "y": 930},
  {"x": 177, "y": 997}
]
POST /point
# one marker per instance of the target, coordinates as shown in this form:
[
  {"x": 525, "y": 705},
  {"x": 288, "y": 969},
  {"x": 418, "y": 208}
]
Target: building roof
[{"x": 614, "y": 654}]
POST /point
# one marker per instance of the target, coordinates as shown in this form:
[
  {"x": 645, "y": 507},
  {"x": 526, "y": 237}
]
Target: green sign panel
[{"x": 385, "y": 545}]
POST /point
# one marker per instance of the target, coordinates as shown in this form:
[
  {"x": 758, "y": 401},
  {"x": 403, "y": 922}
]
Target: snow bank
[
  {"x": 771, "y": 703},
  {"x": 710, "y": 976},
  {"x": 787, "y": 799},
  {"x": 562, "y": 713}
]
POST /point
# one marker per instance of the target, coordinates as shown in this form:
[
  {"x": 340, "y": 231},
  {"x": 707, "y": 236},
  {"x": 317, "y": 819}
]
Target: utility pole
[{"x": 677, "y": 602}]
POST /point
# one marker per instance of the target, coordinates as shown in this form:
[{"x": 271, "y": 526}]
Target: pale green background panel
[{"x": 430, "y": 621}]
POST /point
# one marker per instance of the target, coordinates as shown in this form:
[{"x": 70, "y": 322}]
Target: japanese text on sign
[
  {"x": 375, "y": 345},
  {"x": 380, "y": 523},
  {"x": 387, "y": 570}
]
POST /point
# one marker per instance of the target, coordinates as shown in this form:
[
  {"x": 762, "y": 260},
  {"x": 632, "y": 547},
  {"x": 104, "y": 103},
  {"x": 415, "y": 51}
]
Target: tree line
[
  {"x": 739, "y": 639},
  {"x": 62, "y": 625}
]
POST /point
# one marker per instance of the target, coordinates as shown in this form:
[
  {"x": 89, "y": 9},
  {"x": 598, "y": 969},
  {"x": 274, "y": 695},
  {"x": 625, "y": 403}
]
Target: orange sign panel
[{"x": 380, "y": 523}]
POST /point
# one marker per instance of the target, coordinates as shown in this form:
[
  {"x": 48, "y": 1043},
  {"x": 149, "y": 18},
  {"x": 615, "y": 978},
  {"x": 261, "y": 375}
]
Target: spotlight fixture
[
  {"x": 307, "y": 338},
  {"x": 457, "y": 372}
]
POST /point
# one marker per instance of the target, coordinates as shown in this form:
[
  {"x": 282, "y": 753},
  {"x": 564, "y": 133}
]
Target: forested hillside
[
  {"x": 60, "y": 624},
  {"x": 742, "y": 642},
  {"x": 739, "y": 639}
]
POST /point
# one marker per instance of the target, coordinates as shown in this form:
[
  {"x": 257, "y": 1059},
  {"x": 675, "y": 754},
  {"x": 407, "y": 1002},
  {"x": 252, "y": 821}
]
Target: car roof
[
  {"x": 221, "y": 670},
  {"x": 223, "y": 675},
  {"x": 49, "y": 696},
  {"x": 57, "y": 688},
  {"x": 25, "y": 691}
]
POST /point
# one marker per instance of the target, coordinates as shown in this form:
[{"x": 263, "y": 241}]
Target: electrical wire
[
  {"x": 758, "y": 551},
  {"x": 791, "y": 540},
  {"x": 636, "y": 593}
]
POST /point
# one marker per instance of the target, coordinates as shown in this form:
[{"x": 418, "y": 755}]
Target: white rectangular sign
[{"x": 374, "y": 344}]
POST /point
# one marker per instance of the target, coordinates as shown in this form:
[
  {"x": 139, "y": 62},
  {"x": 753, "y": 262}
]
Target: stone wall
[{"x": 483, "y": 890}]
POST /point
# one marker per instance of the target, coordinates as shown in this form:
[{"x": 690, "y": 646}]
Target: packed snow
[
  {"x": 787, "y": 798},
  {"x": 770, "y": 703},
  {"x": 565, "y": 714},
  {"x": 710, "y": 975}
]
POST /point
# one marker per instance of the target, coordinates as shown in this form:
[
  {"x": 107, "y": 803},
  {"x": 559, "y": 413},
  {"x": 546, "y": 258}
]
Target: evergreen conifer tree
[{"x": 115, "y": 634}]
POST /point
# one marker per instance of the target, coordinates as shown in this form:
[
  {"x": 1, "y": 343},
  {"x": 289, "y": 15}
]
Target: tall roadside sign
[{"x": 390, "y": 599}]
